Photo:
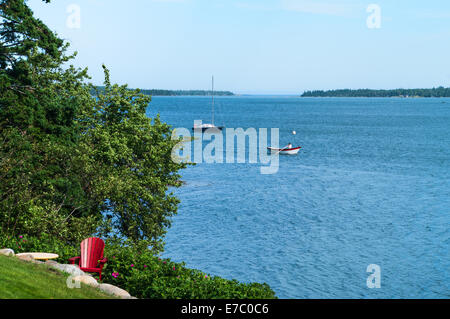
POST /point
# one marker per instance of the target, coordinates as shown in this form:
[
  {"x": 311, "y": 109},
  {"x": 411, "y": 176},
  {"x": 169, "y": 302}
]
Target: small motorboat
[{"x": 285, "y": 151}]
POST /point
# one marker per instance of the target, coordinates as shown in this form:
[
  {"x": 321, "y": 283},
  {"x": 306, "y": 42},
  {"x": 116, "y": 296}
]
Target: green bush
[
  {"x": 44, "y": 243},
  {"x": 147, "y": 276}
]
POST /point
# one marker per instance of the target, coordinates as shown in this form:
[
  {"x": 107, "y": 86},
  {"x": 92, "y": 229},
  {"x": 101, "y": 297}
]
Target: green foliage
[
  {"x": 127, "y": 164},
  {"x": 40, "y": 102},
  {"x": 147, "y": 276},
  {"x": 434, "y": 92},
  {"x": 43, "y": 243}
]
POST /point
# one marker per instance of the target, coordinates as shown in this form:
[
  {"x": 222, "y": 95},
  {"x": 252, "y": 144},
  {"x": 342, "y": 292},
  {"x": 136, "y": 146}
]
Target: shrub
[
  {"x": 44, "y": 243},
  {"x": 147, "y": 276}
]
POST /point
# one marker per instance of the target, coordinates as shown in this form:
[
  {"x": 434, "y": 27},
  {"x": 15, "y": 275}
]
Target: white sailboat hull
[{"x": 208, "y": 127}]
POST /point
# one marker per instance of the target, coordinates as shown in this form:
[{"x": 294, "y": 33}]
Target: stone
[
  {"x": 115, "y": 291},
  {"x": 70, "y": 269},
  {"x": 7, "y": 252},
  {"x": 87, "y": 280},
  {"x": 25, "y": 257},
  {"x": 51, "y": 262}
]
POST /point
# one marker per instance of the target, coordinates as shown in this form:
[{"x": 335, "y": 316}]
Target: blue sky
[{"x": 258, "y": 46}]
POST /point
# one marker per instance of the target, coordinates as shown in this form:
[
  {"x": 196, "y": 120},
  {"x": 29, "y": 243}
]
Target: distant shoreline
[
  {"x": 396, "y": 93},
  {"x": 378, "y": 97},
  {"x": 439, "y": 92},
  {"x": 158, "y": 92}
]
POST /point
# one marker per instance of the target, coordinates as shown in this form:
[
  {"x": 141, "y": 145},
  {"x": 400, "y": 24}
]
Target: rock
[
  {"x": 57, "y": 267},
  {"x": 51, "y": 262},
  {"x": 7, "y": 252},
  {"x": 87, "y": 280},
  {"x": 25, "y": 257},
  {"x": 115, "y": 291},
  {"x": 70, "y": 269}
]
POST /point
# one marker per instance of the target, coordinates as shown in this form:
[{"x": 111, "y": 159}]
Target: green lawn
[{"x": 22, "y": 280}]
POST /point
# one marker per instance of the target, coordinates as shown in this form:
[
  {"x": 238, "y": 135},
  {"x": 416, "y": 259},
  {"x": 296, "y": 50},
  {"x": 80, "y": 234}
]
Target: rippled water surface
[{"x": 370, "y": 186}]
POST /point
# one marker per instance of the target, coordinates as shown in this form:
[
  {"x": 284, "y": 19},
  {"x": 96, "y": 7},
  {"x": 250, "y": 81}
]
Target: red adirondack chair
[{"x": 91, "y": 259}]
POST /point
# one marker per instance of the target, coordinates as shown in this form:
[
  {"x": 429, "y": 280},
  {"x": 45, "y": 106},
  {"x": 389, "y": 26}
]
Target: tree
[
  {"x": 127, "y": 164},
  {"x": 70, "y": 161},
  {"x": 39, "y": 101}
]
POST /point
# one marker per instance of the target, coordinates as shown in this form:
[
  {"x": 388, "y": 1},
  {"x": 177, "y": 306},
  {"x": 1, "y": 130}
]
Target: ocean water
[{"x": 370, "y": 186}]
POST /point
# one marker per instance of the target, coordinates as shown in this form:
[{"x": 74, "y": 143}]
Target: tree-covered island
[
  {"x": 406, "y": 93},
  {"x": 158, "y": 92}
]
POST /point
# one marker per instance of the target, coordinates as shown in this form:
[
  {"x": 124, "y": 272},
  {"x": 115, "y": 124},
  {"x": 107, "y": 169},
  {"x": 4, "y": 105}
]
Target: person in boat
[{"x": 289, "y": 146}]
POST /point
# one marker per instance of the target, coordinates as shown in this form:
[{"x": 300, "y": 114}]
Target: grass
[{"x": 22, "y": 280}]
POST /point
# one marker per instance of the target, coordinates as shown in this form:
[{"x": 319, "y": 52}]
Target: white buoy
[{"x": 294, "y": 132}]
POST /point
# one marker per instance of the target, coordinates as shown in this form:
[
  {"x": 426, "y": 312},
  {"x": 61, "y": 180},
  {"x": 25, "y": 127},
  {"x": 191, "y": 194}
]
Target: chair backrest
[{"x": 91, "y": 252}]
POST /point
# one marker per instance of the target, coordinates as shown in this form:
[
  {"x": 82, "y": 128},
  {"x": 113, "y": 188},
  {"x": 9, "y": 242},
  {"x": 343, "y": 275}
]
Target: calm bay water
[{"x": 370, "y": 186}]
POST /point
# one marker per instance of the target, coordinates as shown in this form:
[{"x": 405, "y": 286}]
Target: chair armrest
[
  {"x": 103, "y": 261},
  {"x": 74, "y": 260}
]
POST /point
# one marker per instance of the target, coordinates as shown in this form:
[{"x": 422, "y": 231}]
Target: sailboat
[{"x": 209, "y": 126}]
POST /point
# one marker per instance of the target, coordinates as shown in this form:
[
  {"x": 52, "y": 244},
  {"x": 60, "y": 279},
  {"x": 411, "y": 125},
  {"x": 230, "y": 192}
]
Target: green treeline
[
  {"x": 434, "y": 92},
  {"x": 156, "y": 92}
]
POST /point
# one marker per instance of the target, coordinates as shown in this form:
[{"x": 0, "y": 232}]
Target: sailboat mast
[{"x": 213, "y": 100}]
